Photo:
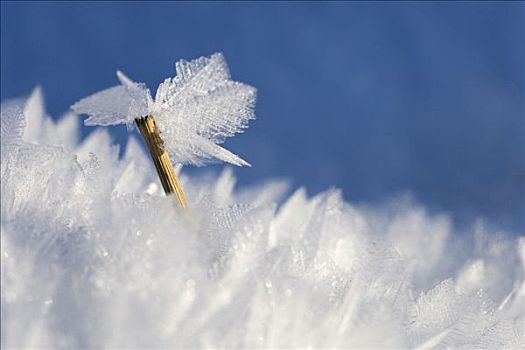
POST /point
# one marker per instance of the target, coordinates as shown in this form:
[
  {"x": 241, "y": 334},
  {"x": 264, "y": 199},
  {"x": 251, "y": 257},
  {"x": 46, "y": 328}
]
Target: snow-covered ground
[{"x": 94, "y": 255}]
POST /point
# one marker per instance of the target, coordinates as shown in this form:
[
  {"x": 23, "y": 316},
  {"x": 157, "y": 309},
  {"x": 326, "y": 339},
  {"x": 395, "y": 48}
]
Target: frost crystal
[
  {"x": 12, "y": 123},
  {"x": 91, "y": 264},
  {"x": 195, "y": 111}
]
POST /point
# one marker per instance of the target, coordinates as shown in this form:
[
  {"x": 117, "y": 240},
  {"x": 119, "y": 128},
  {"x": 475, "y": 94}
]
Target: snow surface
[
  {"x": 93, "y": 255},
  {"x": 195, "y": 111}
]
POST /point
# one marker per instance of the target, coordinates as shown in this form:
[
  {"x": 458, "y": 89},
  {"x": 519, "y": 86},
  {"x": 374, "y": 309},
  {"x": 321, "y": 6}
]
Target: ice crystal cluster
[
  {"x": 195, "y": 111},
  {"x": 94, "y": 256}
]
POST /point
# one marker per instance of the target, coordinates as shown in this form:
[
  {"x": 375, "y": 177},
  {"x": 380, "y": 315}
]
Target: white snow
[
  {"x": 195, "y": 111},
  {"x": 93, "y": 255}
]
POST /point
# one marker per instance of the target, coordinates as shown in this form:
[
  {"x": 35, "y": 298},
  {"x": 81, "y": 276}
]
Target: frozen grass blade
[{"x": 195, "y": 111}]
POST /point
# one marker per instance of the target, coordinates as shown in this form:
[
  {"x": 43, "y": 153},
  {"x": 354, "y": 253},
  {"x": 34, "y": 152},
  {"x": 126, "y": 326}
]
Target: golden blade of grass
[{"x": 168, "y": 178}]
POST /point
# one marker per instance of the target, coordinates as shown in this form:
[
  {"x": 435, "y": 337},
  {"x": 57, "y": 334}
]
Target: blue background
[{"x": 374, "y": 98}]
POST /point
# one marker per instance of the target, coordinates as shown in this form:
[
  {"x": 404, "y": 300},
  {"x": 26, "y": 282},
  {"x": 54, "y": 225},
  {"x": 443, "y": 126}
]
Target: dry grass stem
[{"x": 161, "y": 159}]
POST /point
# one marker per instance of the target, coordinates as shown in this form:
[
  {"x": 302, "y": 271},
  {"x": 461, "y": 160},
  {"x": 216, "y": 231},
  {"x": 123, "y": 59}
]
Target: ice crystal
[
  {"x": 111, "y": 264},
  {"x": 195, "y": 111}
]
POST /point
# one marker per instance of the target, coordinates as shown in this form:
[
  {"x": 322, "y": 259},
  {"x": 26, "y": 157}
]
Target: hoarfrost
[
  {"x": 93, "y": 256},
  {"x": 195, "y": 111}
]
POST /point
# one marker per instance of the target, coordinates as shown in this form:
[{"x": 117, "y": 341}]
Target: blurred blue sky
[{"x": 373, "y": 98}]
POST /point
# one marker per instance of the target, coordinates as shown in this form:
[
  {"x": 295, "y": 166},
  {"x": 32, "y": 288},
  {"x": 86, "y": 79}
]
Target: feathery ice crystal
[
  {"x": 81, "y": 270},
  {"x": 195, "y": 111}
]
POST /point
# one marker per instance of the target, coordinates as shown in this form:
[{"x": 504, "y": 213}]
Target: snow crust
[
  {"x": 195, "y": 111},
  {"x": 93, "y": 255}
]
